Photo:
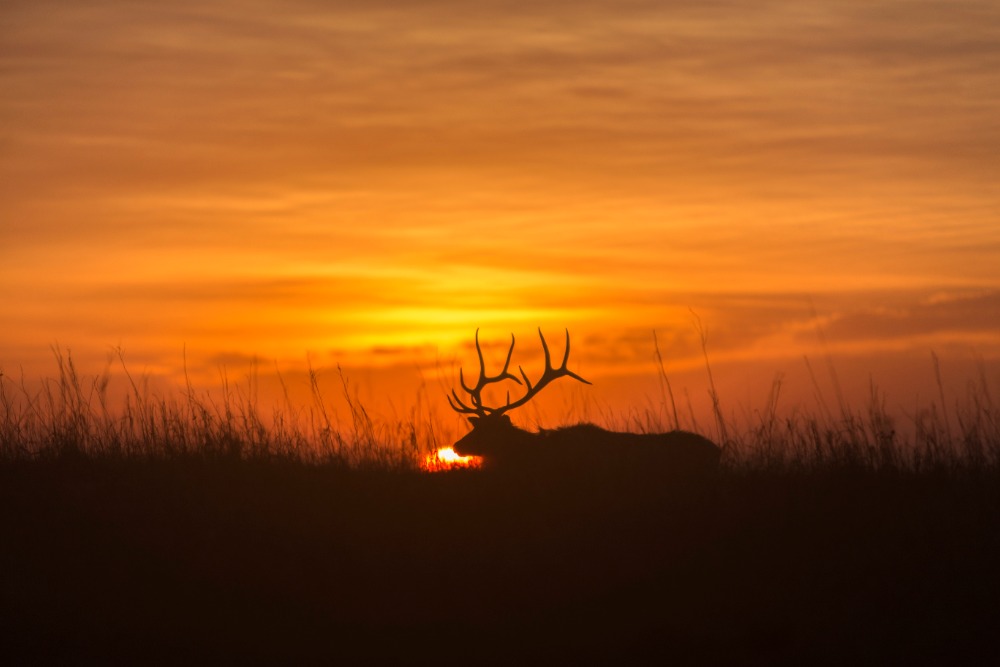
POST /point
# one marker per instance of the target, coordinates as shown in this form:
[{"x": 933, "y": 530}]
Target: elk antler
[
  {"x": 548, "y": 375},
  {"x": 476, "y": 392}
]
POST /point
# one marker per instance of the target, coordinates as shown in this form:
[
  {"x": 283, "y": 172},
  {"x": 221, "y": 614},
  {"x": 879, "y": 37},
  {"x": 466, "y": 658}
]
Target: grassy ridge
[
  {"x": 186, "y": 529},
  {"x": 73, "y": 415}
]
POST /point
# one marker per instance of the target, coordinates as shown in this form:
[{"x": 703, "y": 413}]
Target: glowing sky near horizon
[{"x": 362, "y": 180}]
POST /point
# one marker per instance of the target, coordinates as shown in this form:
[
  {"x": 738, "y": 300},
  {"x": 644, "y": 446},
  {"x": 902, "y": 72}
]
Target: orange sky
[{"x": 367, "y": 183}]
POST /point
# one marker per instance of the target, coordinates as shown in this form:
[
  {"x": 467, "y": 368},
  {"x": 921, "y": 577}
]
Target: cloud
[
  {"x": 977, "y": 313},
  {"x": 112, "y": 97},
  {"x": 391, "y": 165}
]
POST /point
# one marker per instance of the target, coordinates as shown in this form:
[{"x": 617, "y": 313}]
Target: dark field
[
  {"x": 254, "y": 560},
  {"x": 189, "y": 532}
]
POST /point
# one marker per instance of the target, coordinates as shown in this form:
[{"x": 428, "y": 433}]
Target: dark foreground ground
[{"x": 197, "y": 561}]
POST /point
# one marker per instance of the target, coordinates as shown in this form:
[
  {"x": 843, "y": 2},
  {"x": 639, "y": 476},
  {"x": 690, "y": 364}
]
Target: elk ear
[
  {"x": 506, "y": 420},
  {"x": 473, "y": 421}
]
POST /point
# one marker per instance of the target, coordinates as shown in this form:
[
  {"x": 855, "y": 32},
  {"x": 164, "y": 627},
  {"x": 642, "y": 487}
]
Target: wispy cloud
[
  {"x": 976, "y": 315},
  {"x": 412, "y": 170}
]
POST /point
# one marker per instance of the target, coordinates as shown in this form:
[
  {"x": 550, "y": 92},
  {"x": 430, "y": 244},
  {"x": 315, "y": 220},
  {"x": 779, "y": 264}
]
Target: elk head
[{"x": 492, "y": 431}]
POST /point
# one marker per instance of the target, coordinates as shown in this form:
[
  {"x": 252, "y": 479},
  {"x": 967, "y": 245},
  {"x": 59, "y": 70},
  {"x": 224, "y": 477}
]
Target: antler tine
[
  {"x": 461, "y": 407},
  {"x": 461, "y": 379},
  {"x": 545, "y": 349},
  {"x": 479, "y": 353},
  {"x": 566, "y": 355},
  {"x": 504, "y": 374},
  {"x": 563, "y": 368},
  {"x": 527, "y": 382},
  {"x": 506, "y": 364},
  {"x": 548, "y": 375},
  {"x": 475, "y": 393},
  {"x": 548, "y": 358}
]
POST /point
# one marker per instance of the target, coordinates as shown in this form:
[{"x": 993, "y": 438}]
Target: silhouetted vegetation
[{"x": 179, "y": 529}]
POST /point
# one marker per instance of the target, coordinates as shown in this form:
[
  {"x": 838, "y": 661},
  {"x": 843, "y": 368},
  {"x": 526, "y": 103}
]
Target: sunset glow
[
  {"x": 711, "y": 288},
  {"x": 305, "y": 185},
  {"x": 446, "y": 459}
]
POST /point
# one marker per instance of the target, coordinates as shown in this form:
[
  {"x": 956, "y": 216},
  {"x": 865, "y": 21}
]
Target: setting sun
[{"x": 446, "y": 459}]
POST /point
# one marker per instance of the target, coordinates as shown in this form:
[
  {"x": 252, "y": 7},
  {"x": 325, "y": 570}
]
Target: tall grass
[
  {"x": 871, "y": 437},
  {"x": 72, "y": 415},
  {"x": 944, "y": 436}
]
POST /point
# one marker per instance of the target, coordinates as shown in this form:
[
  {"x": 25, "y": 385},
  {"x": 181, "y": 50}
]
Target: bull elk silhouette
[{"x": 502, "y": 444}]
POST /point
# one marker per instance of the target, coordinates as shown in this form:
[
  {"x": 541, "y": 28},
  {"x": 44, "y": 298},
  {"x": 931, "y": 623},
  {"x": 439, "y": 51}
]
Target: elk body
[{"x": 503, "y": 445}]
